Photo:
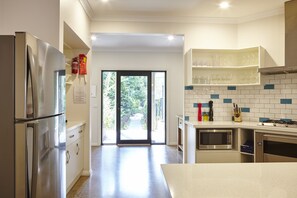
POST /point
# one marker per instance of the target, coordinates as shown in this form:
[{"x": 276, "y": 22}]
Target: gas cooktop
[{"x": 279, "y": 123}]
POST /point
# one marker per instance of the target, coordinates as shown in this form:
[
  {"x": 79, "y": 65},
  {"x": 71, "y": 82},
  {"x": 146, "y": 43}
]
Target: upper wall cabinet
[{"x": 224, "y": 66}]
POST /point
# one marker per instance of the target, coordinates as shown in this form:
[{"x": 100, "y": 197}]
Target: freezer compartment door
[
  {"x": 40, "y": 158},
  {"x": 40, "y": 78}
]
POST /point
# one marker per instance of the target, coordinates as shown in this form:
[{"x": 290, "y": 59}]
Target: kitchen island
[
  {"x": 242, "y": 132},
  {"x": 231, "y": 180}
]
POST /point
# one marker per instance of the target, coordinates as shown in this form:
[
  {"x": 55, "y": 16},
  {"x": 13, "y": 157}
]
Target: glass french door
[{"x": 133, "y": 107}]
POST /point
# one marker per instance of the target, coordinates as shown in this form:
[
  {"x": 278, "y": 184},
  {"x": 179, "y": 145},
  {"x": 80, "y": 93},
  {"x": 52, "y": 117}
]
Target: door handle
[
  {"x": 77, "y": 149},
  {"x": 67, "y": 157},
  {"x": 259, "y": 143}
]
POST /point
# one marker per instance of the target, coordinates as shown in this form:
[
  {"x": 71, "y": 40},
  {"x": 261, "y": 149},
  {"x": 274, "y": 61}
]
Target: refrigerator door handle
[
  {"x": 32, "y": 97},
  {"x": 32, "y": 157}
]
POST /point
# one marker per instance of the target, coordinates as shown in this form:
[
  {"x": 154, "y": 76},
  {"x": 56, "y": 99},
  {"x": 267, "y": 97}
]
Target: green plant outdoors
[
  {"x": 133, "y": 99},
  {"x": 109, "y": 99}
]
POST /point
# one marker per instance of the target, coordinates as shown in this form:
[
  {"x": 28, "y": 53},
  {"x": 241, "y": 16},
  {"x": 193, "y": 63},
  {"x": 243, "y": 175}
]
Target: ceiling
[
  {"x": 180, "y": 11},
  {"x": 137, "y": 42}
]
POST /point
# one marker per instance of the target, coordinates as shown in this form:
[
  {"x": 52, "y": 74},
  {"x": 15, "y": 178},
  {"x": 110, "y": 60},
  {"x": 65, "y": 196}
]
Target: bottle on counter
[
  {"x": 210, "y": 114},
  {"x": 205, "y": 116},
  {"x": 199, "y": 112}
]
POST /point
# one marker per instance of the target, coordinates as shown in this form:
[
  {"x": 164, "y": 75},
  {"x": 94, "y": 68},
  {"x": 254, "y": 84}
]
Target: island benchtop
[{"x": 231, "y": 180}]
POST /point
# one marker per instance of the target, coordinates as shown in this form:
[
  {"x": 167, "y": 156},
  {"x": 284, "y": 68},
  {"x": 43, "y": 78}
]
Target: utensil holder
[{"x": 237, "y": 117}]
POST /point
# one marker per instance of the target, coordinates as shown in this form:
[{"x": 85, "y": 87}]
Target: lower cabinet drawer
[{"x": 218, "y": 157}]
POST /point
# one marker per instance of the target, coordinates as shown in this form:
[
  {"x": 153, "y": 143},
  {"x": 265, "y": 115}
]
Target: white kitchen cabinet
[
  {"x": 224, "y": 66},
  {"x": 191, "y": 144},
  {"x": 74, "y": 154}
]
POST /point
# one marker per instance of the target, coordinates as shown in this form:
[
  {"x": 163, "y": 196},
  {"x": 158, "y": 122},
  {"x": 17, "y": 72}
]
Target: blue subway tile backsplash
[
  {"x": 205, "y": 105},
  {"x": 227, "y": 100},
  {"x": 286, "y": 101},
  {"x": 189, "y": 87},
  {"x": 286, "y": 119},
  {"x": 263, "y": 119},
  {"x": 269, "y": 86},
  {"x": 245, "y": 109},
  {"x": 231, "y": 88},
  {"x": 195, "y": 105},
  {"x": 274, "y": 98},
  {"x": 214, "y": 96}
]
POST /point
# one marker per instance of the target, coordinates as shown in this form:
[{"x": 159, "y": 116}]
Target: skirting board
[{"x": 87, "y": 173}]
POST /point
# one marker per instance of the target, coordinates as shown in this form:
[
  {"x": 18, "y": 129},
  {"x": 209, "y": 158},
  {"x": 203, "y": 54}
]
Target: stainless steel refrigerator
[{"x": 32, "y": 121}]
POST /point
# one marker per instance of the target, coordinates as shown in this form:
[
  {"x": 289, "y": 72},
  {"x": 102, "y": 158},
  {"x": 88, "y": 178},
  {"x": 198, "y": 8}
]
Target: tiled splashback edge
[{"x": 275, "y": 98}]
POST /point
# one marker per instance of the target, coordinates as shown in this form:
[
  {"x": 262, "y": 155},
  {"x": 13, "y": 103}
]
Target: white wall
[
  {"x": 38, "y": 17},
  {"x": 75, "y": 17},
  {"x": 202, "y": 35},
  {"x": 170, "y": 62},
  {"x": 197, "y": 35},
  {"x": 267, "y": 32}
]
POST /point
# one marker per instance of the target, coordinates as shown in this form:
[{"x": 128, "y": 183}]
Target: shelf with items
[
  {"x": 225, "y": 75},
  {"x": 68, "y": 79},
  {"x": 67, "y": 64},
  {"x": 246, "y": 142},
  {"x": 224, "y": 66},
  {"x": 180, "y": 146}
]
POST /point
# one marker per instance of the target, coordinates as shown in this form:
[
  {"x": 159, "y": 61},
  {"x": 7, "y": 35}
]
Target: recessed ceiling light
[
  {"x": 104, "y": 1},
  {"x": 170, "y": 37},
  {"x": 93, "y": 37},
  {"x": 224, "y": 5}
]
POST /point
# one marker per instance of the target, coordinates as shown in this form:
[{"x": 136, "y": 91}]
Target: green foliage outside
[
  {"x": 109, "y": 99},
  {"x": 133, "y": 99}
]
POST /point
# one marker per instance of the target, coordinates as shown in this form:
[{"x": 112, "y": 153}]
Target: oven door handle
[{"x": 280, "y": 138}]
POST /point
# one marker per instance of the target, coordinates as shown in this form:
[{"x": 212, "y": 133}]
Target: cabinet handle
[
  {"x": 71, "y": 136},
  {"x": 80, "y": 131},
  {"x": 77, "y": 149},
  {"x": 67, "y": 157}
]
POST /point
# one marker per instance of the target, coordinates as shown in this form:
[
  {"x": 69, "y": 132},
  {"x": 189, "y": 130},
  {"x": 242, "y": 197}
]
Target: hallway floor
[{"x": 127, "y": 172}]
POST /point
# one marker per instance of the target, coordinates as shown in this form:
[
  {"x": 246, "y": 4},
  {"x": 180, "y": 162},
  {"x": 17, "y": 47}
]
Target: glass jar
[{"x": 205, "y": 116}]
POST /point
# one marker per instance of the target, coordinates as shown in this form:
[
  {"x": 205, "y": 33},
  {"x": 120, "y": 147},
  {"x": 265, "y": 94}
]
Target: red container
[
  {"x": 82, "y": 64},
  {"x": 199, "y": 112},
  {"x": 74, "y": 66}
]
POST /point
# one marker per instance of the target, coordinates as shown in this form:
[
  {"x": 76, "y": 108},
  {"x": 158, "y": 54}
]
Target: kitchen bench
[
  {"x": 232, "y": 180},
  {"x": 243, "y": 131}
]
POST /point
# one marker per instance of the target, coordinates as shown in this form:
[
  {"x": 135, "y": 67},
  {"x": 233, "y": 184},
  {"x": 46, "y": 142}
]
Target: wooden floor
[{"x": 127, "y": 172}]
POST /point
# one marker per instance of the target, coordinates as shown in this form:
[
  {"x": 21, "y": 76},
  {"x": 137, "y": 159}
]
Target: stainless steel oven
[
  {"x": 275, "y": 147},
  {"x": 215, "y": 139}
]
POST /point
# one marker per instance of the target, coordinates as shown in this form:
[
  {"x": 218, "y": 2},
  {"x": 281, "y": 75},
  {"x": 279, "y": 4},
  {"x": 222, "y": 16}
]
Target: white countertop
[
  {"x": 73, "y": 124},
  {"x": 245, "y": 125},
  {"x": 251, "y": 180}
]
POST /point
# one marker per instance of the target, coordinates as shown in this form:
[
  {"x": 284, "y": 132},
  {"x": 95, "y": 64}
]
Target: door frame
[
  {"x": 165, "y": 105},
  {"x": 118, "y": 106}
]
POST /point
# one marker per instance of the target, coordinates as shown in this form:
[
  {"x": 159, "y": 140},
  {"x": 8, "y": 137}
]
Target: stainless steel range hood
[{"x": 290, "y": 42}]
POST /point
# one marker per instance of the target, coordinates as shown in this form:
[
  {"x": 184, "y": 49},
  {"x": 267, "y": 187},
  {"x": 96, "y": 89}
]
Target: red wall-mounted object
[
  {"x": 82, "y": 64},
  {"x": 74, "y": 65}
]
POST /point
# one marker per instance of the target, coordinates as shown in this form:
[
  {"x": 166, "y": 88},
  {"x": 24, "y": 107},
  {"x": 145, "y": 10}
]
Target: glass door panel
[
  {"x": 109, "y": 107},
  {"x": 133, "y": 107},
  {"x": 158, "y": 107}
]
